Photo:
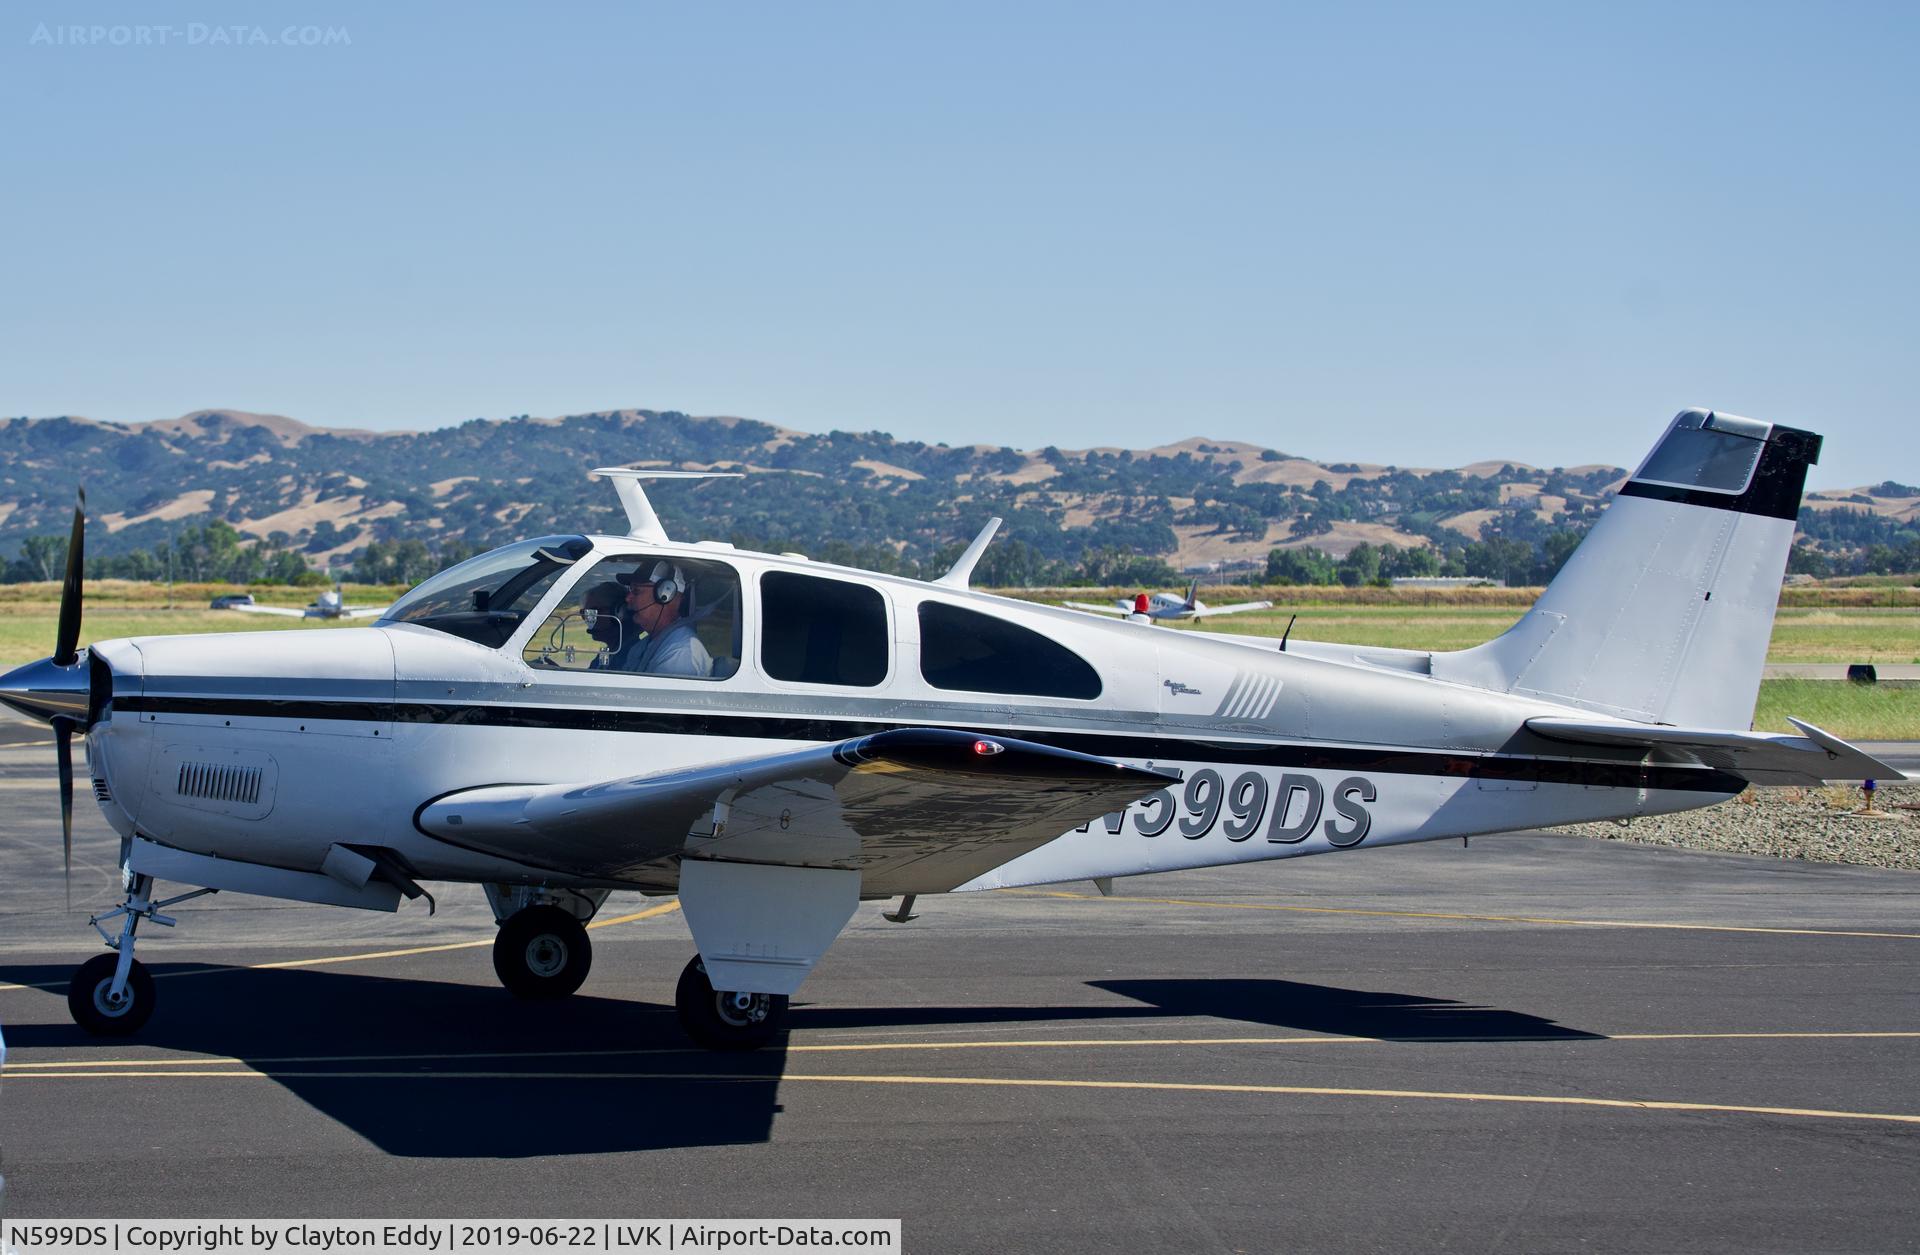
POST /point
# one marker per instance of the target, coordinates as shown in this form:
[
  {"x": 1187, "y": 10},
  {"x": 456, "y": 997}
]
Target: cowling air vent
[
  {"x": 219, "y": 782},
  {"x": 101, "y": 793},
  {"x": 235, "y": 782}
]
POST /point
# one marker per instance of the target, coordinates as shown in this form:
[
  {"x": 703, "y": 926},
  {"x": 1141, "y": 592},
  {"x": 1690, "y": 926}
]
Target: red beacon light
[
  {"x": 987, "y": 747},
  {"x": 1141, "y": 605}
]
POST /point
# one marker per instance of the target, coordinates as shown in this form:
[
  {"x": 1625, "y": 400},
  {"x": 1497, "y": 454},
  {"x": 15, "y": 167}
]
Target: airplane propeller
[
  {"x": 66, "y": 640},
  {"x": 58, "y": 688}
]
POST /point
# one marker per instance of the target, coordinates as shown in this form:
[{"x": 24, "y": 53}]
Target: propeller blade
[
  {"x": 67, "y": 639},
  {"x": 63, "y": 751}
]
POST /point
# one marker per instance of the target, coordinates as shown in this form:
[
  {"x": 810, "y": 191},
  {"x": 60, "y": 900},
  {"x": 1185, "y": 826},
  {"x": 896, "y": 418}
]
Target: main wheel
[
  {"x": 720, "y": 1020},
  {"x": 96, "y": 1011},
  {"x": 542, "y": 952}
]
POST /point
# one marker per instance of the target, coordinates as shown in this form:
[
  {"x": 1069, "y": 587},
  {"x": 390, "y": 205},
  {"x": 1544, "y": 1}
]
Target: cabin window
[
  {"x": 822, "y": 631},
  {"x": 484, "y": 599},
  {"x": 645, "y": 614},
  {"x": 977, "y": 653}
]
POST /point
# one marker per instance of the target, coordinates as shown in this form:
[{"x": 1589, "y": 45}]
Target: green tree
[
  {"x": 46, "y": 556},
  {"x": 1304, "y": 565}
]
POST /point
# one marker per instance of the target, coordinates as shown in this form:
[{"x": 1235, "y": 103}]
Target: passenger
[
  {"x": 608, "y": 602},
  {"x": 664, "y": 643}
]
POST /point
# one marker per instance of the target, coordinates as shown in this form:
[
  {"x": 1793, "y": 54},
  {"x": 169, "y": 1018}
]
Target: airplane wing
[
  {"x": 913, "y": 810},
  {"x": 1087, "y": 605},
  {"x": 285, "y": 612},
  {"x": 1236, "y": 608},
  {"x": 364, "y": 612},
  {"x": 1762, "y": 757}
]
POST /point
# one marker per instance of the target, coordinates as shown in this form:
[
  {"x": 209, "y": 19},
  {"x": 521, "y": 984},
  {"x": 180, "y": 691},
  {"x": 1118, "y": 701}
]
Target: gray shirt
[{"x": 676, "y": 651}]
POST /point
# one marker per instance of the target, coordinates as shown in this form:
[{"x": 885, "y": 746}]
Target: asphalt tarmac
[{"x": 1536, "y": 1043}]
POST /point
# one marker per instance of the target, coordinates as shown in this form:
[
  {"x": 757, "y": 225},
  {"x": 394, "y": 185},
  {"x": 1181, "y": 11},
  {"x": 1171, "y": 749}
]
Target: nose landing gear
[
  {"x": 723, "y": 1019},
  {"x": 96, "y": 1005},
  {"x": 112, "y": 994}
]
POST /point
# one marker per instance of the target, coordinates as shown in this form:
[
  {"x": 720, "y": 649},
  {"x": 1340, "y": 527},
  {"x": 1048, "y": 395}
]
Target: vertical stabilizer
[{"x": 1664, "y": 612}]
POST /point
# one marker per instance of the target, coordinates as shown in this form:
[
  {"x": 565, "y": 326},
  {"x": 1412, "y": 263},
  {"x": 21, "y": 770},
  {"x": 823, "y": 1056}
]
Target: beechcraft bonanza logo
[{"x": 1180, "y": 690}]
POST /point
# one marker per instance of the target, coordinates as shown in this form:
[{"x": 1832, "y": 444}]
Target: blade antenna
[
  {"x": 1289, "y": 632},
  {"x": 963, "y": 569},
  {"x": 642, "y": 522}
]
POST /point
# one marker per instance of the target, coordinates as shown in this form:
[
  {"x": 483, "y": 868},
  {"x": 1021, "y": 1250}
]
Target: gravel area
[{"x": 1821, "y": 825}]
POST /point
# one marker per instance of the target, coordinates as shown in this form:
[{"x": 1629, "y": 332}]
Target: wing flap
[
  {"x": 929, "y": 808},
  {"x": 1762, "y": 757}
]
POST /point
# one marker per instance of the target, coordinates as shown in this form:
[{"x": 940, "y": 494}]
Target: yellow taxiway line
[
  {"x": 989, "y": 1082},
  {"x": 1447, "y": 915},
  {"x": 1077, "y": 1043}
]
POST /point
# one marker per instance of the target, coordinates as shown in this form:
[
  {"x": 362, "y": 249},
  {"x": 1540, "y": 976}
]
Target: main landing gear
[
  {"x": 720, "y": 1020},
  {"x": 542, "y": 951},
  {"x": 112, "y": 994}
]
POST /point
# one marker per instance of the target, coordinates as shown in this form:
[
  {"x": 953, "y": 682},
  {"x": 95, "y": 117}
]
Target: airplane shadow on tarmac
[
  {"x": 424, "y": 1068},
  {"x": 428, "y": 1069}
]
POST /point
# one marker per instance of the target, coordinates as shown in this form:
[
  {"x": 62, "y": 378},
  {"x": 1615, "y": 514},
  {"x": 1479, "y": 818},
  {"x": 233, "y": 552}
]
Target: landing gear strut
[
  {"x": 721, "y": 1020},
  {"x": 542, "y": 953},
  {"x": 112, "y": 994}
]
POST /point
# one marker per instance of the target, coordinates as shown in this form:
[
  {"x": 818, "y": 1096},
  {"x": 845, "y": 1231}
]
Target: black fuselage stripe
[{"x": 1148, "y": 746}]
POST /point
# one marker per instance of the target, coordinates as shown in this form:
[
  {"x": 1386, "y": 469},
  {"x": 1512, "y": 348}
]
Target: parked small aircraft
[
  {"x": 328, "y": 605},
  {"x": 1169, "y": 606},
  {"x": 775, "y": 739}
]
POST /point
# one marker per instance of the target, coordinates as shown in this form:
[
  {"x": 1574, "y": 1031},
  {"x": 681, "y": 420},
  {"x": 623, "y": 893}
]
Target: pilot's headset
[{"x": 668, "y": 581}]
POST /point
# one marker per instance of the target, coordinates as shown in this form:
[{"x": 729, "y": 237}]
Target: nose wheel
[
  {"x": 100, "y": 1009},
  {"x": 542, "y": 953},
  {"x": 722, "y": 1019}
]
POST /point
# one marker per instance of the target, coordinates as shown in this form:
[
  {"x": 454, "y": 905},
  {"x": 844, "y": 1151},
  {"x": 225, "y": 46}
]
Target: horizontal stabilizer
[
  {"x": 1762, "y": 757},
  {"x": 914, "y": 810}
]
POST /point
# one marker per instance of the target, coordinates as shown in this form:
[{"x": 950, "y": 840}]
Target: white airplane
[
  {"x": 1169, "y": 606},
  {"x": 328, "y": 605},
  {"x": 809, "y": 736}
]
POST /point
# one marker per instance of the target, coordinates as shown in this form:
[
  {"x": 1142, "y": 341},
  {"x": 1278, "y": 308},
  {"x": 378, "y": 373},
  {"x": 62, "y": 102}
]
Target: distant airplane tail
[
  {"x": 1192, "y": 589},
  {"x": 1664, "y": 612}
]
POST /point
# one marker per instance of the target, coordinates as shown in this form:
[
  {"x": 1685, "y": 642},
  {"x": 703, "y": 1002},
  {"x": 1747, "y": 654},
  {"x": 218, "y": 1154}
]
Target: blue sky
[{"x": 1422, "y": 234}]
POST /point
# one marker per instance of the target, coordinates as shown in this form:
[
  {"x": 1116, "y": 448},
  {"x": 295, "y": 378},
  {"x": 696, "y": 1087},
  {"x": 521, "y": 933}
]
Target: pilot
[{"x": 664, "y": 641}]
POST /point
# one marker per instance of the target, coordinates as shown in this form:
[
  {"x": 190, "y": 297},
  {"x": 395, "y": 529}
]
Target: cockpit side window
[
  {"x": 484, "y": 599},
  {"x": 644, "y": 614},
  {"x": 977, "y": 653}
]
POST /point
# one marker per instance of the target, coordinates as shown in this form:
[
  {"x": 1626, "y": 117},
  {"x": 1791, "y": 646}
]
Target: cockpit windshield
[{"x": 484, "y": 599}]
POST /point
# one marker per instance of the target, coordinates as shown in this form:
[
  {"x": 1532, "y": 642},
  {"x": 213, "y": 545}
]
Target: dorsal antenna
[
  {"x": 642, "y": 522},
  {"x": 963, "y": 569}
]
